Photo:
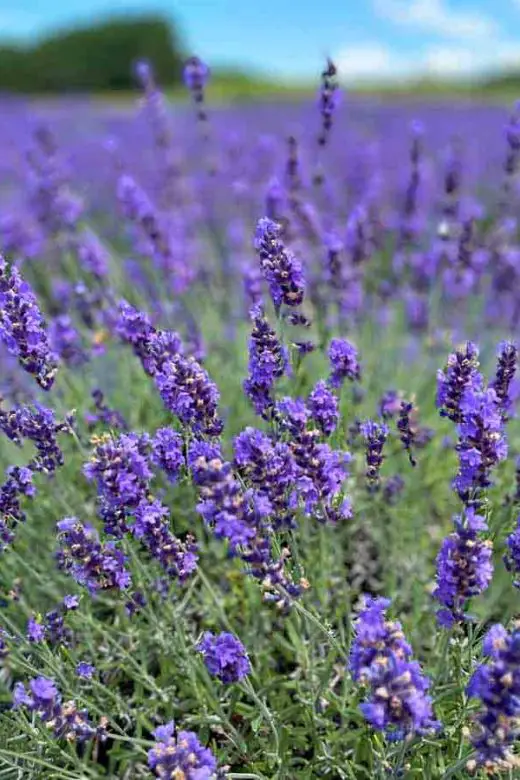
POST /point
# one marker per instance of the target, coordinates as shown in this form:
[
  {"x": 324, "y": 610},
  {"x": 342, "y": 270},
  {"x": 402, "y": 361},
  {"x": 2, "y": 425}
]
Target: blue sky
[{"x": 370, "y": 39}]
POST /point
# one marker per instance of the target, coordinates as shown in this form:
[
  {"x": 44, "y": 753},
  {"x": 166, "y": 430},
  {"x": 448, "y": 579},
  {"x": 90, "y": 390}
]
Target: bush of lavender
[{"x": 260, "y": 497}]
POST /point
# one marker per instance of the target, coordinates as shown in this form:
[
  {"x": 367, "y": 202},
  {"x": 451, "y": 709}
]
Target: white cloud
[
  {"x": 365, "y": 62},
  {"x": 374, "y": 62},
  {"x": 435, "y": 17},
  {"x": 455, "y": 61}
]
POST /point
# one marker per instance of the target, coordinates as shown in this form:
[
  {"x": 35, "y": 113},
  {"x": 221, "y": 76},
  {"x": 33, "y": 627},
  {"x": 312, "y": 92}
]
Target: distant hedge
[{"x": 94, "y": 58}]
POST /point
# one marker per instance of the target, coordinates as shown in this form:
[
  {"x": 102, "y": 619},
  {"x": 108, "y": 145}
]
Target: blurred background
[{"x": 264, "y": 48}]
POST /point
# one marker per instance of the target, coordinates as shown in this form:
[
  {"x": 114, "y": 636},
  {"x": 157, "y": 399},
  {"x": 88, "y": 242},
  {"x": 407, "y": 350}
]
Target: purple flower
[
  {"x": 381, "y": 659},
  {"x": 281, "y": 270},
  {"x": 188, "y": 392},
  {"x": 84, "y": 670},
  {"x": 153, "y": 347},
  {"x": 375, "y": 435},
  {"x": 344, "y": 362},
  {"x": 96, "y": 565},
  {"x": 223, "y": 504},
  {"x": 71, "y": 602},
  {"x": 512, "y": 556},
  {"x": 328, "y": 99},
  {"x": 22, "y": 328},
  {"x": 18, "y": 484},
  {"x": 38, "y": 425},
  {"x": 392, "y": 488},
  {"x": 321, "y": 471},
  {"x": 168, "y": 452},
  {"x": 482, "y": 443},
  {"x": 180, "y": 755},
  {"x": 389, "y": 404},
  {"x": 35, "y": 630},
  {"x": 497, "y": 684},
  {"x": 225, "y": 657},
  {"x": 267, "y": 363},
  {"x": 239, "y": 517},
  {"x": 151, "y": 527},
  {"x": 407, "y": 430},
  {"x": 464, "y": 567},
  {"x": 269, "y": 468},
  {"x": 121, "y": 469},
  {"x": 195, "y": 74},
  {"x": 64, "y": 719},
  {"x": 323, "y": 406},
  {"x": 505, "y": 373},
  {"x": 461, "y": 373}
]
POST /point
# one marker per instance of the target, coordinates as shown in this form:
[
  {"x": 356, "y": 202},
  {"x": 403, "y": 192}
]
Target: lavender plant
[{"x": 245, "y": 330}]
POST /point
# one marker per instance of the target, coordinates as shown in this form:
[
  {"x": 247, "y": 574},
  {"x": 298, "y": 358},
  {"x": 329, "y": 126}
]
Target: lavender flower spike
[
  {"x": 497, "y": 685},
  {"x": 329, "y": 99},
  {"x": 381, "y": 658},
  {"x": 512, "y": 556},
  {"x": 22, "y": 327},
  {"x": 281, "y": 270},
  {"x": 375, "y": 435},
  {"x": 461, "y": 372},
  {"x": 506, "y": 370},
  {"x": 464, "y": 568},
  {"x": 344, "y": 362}
]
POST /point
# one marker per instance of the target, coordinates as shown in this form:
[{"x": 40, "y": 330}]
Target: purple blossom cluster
[
  {"x": 38, "y": 425},
  {"x": 407, "y": 429},
  {"x": 267, "y": 363},
  {"x": 180, "y": 754},
  {"x": 328, "y": 100},
  {"x": 225, "y": 656},
  {"x": 496, "y": 683},
  {"x": 324, "y": 408},
  {"x": 51, "y": 627},
  {"x": 159, "y": 238},
  {"x": 462, "y": 372},
  {"x": 269, "y": 468},
  {"x": 121, "y": 470},
  {"x": 281, "y": 269},
  {"x": 464, "y": 567},
  {"x": 64, "y": 719},
  {"x": 375, "y": 435},
  {"x": 168, "y": 452},
  {"x": 151, "y": 526},
  {"x": 22, "y": 327},
  {"x": 512, "y": 555},
  {"x": 505, "y": 374},
  {"x": 482, "y": 443},
  {"x": 344, "y": 363},
  {"x": 66, "y": 341},
  {"x": 381, "y": 660},
  {"x": 94, "y": 564},
  {"x": 321, "y": 471},
  {"x": 153, "y": 347},
  {"x": 242, "y": 519},
  {"x": 188, "y": 392}
]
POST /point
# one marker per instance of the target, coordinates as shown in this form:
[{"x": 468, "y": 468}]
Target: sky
[{"x": 371, "y": 40}]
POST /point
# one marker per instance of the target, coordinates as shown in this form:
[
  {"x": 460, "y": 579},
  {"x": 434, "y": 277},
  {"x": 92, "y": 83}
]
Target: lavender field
[{"x": 260, "y": 451}]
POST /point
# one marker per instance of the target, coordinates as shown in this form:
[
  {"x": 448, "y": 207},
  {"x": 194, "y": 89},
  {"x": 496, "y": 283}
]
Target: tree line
[{"x": 94, "y": 58}]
